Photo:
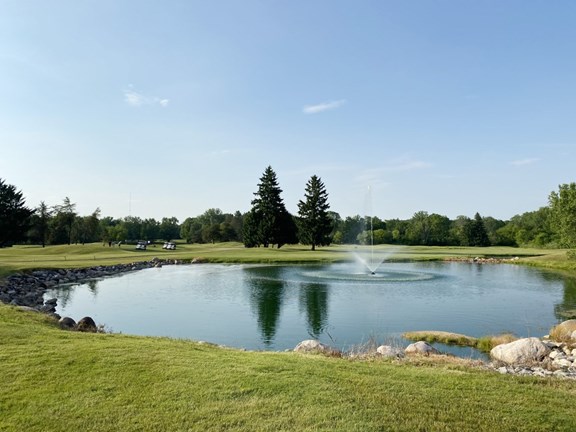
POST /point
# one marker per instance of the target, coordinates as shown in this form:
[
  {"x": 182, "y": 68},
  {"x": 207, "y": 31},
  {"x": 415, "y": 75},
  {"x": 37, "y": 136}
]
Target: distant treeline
[
  {"x": 62, "y": 225},
  {"x": 552, "y": 226}
]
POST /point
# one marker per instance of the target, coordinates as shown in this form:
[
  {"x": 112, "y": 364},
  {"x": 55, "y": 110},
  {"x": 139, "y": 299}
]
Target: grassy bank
[
  {"x": 70, "y": 256},
  {"x": 54, "y": 380}
]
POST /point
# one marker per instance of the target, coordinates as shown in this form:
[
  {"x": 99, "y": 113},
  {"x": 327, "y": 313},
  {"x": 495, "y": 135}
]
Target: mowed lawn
[
  {"x": 67, "y": 256},
  {"x": 56, "y": 380}
]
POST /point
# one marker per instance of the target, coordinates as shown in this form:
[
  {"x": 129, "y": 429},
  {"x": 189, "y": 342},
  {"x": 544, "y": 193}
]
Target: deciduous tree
[
  {"x": 563, "y": 214},
  {"x": 40, "y": 224},
  {"x": 169, "y": 228},
  {"x": 63, "y": 222}
]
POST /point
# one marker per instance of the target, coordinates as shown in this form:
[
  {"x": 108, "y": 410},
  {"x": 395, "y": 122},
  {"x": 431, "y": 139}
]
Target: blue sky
[{"x": 169, "y": 108}]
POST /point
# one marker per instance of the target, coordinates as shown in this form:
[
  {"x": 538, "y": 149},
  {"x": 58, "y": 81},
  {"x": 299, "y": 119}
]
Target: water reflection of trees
[
  {"x": 314, "y": 301},
  {"x": 266, "y": 298},
  {"x": 64, "y": 294},
  {"x": 93, "y": 286},
  {"x": 268, "y": 295},
  {"x": 567, "y": 309}
]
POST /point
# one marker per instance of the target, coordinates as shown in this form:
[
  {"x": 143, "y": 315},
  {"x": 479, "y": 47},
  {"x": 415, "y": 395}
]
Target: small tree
[
  {"x": 63, "y": 222},
  {"x": 14, "y": 215},
  {"x": 40, "y": 224},
  {"x": 476, "y": 232},
  {"x": 315, "y": 223}
]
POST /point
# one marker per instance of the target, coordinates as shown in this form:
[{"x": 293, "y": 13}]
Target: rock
[
  {"x": 389, "y": 351},
  {"x": 67, "y": 323},
  {"x": 564, "y": 331},
  {"x": 522, "y": 351},
  {"x": 556, "y": 354},
  {"x": 28, "y": 309},
  {"x": 87, "y": 324},
  {"x": 314, "y": 346},
  {"x": 421, "y": 347},
  {"x": 562, "y": 363},
  {"x": 560, "y": 373}
]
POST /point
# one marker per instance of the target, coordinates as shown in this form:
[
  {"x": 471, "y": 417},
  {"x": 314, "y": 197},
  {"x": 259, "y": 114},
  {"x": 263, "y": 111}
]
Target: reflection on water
[
  {"x": 275, "y": 307},
  {"x": 266, "y": 297},
  {"x": 313, "y": 300},
  {"x": 567, "y": 308}
]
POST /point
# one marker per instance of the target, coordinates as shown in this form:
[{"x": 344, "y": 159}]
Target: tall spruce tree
[
  {"x": 315, "y": 224},
  {"x": 269, "y": 222}
]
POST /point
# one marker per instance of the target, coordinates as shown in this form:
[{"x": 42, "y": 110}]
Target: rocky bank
[{"x": 28, "y": 289}]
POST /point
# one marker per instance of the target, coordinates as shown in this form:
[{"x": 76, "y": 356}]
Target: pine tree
[
  {"x": 14, "y": 215},
  {"x": 315, "y": 223},
  {"x": 269, "y": 222},
  {"x": 476, "y": 232}
]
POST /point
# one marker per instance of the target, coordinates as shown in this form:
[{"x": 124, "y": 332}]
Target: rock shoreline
[
  {"x": 558, "y": 360},
  {"x": 28, "y": 289},
  {"x": 482, "y": 260}
]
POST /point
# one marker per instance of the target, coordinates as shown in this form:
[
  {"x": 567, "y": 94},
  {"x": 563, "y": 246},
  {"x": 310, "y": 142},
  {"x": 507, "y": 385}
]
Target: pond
[{"x": 274, "y": 307}]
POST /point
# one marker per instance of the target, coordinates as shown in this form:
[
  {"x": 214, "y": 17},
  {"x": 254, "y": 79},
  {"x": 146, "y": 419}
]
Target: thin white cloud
[
  {"x": 375, "y": 176},
  {"x": 223, "y": 152},
  {"x": 526, "y": 161},
  {"x": 133, "y": 98},
  {"x": 407, "y": 166},
  {"x": 137, "y": 99},
  {"x": 324, "y": 106}
]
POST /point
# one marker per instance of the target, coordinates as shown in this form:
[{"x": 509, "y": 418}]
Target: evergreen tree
[
  {"x": 476, "y": 232},
  {"x": 315, "y": 222},
  {"x": 14, "y": 215},
  {"x": 250, "y": 230},
  {"x": 269, "y": 222}
]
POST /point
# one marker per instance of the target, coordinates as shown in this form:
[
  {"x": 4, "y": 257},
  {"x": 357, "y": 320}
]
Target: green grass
[
  {"x": 447, "y": 338},
  {"x": 70, "y": 256},
  {"x": 55, "y": 380},
  {"x": 484, "y": 343}
]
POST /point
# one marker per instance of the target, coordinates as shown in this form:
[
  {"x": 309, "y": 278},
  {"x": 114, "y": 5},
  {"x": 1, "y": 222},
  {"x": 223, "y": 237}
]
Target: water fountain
[{"x": 370, "y": 264}]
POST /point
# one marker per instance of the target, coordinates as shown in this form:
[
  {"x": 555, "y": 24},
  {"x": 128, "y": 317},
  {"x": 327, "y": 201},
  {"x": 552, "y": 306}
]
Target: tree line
[{"x": 268, "y": 223}]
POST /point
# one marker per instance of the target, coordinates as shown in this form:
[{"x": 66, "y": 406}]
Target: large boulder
[
  {"x": 315, "y": 347},
  {"x": 67, "y": 323},
  {"x": 390, "y": 351},
  {"x": 421, "y": 347},
  {"x": 522, "y": 351},
  {"x": 564, "y": 330},
  {"x": 87, "y": 324}
]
